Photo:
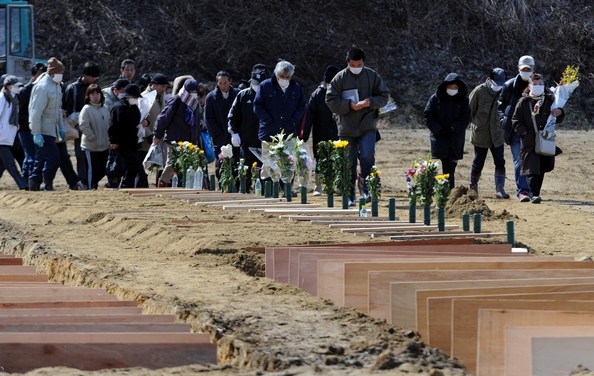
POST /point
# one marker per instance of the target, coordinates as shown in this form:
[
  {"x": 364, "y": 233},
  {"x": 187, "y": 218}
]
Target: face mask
[
  {"x": 57, "y": 77},
  {"x": 121, "y": 95},
  {"x": 525, "y": 75},
  {"x": 167, "y": 97},
  {"x": 283, "y": 83},
  {"x": 195, "y": 95},
  {"x": 255, "y": 87},
  {"x": 452, "y": 92},
  {"x": 355, "y": 70},
  {"x": 537, "y": 90},
  {"x": 494, "y": 86},
  {"x": 133, "y": 101}
]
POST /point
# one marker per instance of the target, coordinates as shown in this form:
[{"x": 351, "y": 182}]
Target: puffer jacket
[
  {"x": 94, "y": 125},
  {"x": 45, "y": 107},
  {"x": 369, "y": 85},
  {"x": 484, "y": 124},
  {"x": 447, "y": 118}
]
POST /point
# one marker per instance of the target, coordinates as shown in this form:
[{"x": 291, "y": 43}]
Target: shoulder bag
[{"x": 543, "y": 145}]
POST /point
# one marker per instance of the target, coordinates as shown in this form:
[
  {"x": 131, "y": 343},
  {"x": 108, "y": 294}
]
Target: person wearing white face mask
[
  {"x": 447, "y": 115},
  {"x": 114, "y": 93},
  {"x": 355, "y": 95},
  {"x": 123, "y": 133},
  {"x": 45, "y": 118},
  {"x": 178, "y": 122},
  {"x": 243, "y": 123},
  {"x": 487, "y": 133},
  {"x": 9, "y": 126},
  {"x": 533, "y": 109},
  {"x": 509, "y": 97}
]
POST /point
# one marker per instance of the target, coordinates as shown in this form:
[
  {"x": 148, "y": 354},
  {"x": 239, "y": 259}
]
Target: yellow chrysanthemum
[
  {"x": 201, "y": 151},
  {"x": 180, "y": 143},
  {"x": 254, "y": 164},
  {"x": 379, "y": 172}
]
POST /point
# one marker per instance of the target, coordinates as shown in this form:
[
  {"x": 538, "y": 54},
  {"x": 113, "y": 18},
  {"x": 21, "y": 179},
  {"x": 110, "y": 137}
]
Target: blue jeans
[
  {"x": 521, "y": 182},
  {"x": 47, "y": 161},
  {"x": 7, "y": 162},
  {"x": 26, "y": 139},
  {"x": 362, "y": 148}
]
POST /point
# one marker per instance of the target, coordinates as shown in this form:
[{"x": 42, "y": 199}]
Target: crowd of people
[{"x": 129, "y": 116}]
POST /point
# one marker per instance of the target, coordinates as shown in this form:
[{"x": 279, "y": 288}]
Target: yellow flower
[
  {"x": 378, "y": 172},
  {"x": 201, "y": 151},
  {"x": 180, "y": 143},
  {"x": 254, "y": 164},
  {"x": 371, "y": 174},
  {"x": 340, "y": 144},
  {"x": 416, "y": 165}
]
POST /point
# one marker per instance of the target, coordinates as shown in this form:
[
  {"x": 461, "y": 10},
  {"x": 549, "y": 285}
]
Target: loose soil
[{"x": 174, "y": 257}]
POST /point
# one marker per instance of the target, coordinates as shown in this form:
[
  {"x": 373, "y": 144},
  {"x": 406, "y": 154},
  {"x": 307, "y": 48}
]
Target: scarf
[
  {"x": 191, "y": 104},
  {"x": 539, "y": 101},
  {"x": 14, "y": 101}
]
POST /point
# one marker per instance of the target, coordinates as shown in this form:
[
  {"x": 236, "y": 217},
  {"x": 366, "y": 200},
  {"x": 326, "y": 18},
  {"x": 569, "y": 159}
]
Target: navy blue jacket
[
  {"x": 447, "y": 118},
  {"x": 123, "y": 128},
  {"x": 243, "y": 120},
  {"x": 277, "y": 109},
  {"x": 508, "y": 99},
  {"x": 320, "y": 119},
  {"x": 216, "y": 112}
]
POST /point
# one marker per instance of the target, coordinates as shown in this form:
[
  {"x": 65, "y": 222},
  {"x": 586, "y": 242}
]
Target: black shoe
[
  {"x": 535, "y": 199},
  {"x": 34, "y": 185}
]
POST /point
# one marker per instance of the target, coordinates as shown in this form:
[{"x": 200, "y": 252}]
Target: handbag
[
  {"x": 542, "y": 145},
  {"x": 208, "y": 147},
  {"x": 116, "y": 166},
  {"x": 154, "y": 157},
  {"x": 70, "y": 132}
]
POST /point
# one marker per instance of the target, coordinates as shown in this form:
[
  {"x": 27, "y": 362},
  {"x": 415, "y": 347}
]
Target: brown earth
[{"x": 173, "y": 257}]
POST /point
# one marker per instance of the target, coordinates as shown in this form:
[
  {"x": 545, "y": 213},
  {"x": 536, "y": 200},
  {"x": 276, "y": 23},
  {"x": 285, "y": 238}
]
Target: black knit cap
[
  {"x": 329, "y": 73},
  {"x": 260, "y": 72}
]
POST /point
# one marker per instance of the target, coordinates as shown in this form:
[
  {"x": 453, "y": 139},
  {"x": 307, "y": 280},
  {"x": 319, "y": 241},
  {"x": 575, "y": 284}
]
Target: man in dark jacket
[
  {"x": 510, "y": 95},
  {"x": 25, "y": 136},
  {"x": 243, "y": 122},
  {"x": 320, "y": 119},
  {"x": 355, "y": 95},
  {"x": 123, "y": 132},
  {"x": 72, "y": 103},
  {"x": 447, "y": 115}
]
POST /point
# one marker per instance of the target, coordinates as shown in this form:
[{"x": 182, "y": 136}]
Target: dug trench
[{"x": 173, "y": 257}]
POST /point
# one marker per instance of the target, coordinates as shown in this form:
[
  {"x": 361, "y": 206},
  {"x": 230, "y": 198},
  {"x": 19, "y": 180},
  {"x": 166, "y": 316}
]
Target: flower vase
[
  {"x": 330, "y": 200},
  {"x": 412, "y": 211},
  {"x": 374, "y": 206},
  {"x": 242, "y": 185},
  {"x": 345, "y": 201},
  {"x": 426, "y": 215},
  {"x": 441, "y": 219}
]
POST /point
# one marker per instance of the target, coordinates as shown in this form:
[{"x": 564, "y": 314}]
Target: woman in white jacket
[
  {"x": 94, "y": 121},
  {"x": 9, "y": 125}
]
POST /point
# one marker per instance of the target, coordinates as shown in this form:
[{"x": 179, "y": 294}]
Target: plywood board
[
  {"x": 147, "y": 327},
  {"x": 23, "y": 278},
  {"x": 16, "y": 269},
  {"x": 492, "y": 324},
  {"x": 548, "y": 351},
  {"x": 268, "y": 206},
  {"x": 67, "y": 304},
  {"x": 299, "y": 217},
  {"x": 466, "y": 349},
  {"x": 452, "y": 234},
  {"x": 11, "y": 261},
  {"x": 346, "y": 283},
  {"x": 22, "y": 352},
  {"x": 442, "y": 336},
  {"x": 43, "y": 311},
  {"x": 397, "y": 228},
  {"x": 50, "y": 290},
  {"x": 87, "y": 319},
  {"x": 441, "y": 319}
]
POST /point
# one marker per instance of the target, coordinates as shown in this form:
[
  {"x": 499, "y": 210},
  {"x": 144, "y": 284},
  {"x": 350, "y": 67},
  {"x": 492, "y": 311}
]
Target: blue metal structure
[{"x": 17, "y": 44}]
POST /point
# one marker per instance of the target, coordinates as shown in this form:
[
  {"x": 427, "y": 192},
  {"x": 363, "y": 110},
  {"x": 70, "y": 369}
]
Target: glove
[
  {"x": 236, "y": 140},
  {"x": 38, "y": 140},
  {"x": 62, "y": 133}
]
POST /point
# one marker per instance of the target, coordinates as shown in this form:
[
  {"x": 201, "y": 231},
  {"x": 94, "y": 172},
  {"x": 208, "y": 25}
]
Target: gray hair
[{"x": 284, "y": 66}]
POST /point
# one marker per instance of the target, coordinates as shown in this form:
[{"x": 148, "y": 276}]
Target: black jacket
[
  {"x": 216, "y": 113},
  {"x": 447, "y": 118},
  {"x": 24, "y": 99},
  {"x": 73, "y": 99},
  {"x": 320, "y": 119},
  {"x": 508, "y": 99},
  {"x": 243, "y": 120},
  {"x": 123, "y": 127}
]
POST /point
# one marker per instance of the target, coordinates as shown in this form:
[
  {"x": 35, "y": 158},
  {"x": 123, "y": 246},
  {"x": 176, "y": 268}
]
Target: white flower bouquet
[{"x": 569, "y": 82}]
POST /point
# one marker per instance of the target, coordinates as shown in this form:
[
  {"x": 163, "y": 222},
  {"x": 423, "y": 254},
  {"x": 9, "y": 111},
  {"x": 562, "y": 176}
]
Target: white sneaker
[{"x": 316, "y": 193}]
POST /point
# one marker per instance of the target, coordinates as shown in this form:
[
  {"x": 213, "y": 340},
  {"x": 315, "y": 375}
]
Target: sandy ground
[{"x": 173, "y": 257}]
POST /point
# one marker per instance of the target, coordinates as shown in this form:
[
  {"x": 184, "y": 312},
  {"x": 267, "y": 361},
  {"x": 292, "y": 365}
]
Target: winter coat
[
  {"x": 508, "y": 99},
  {"x": 24, "y": 99},
  {"x": 94, "y": 125},
  {"x": 8, "y": 131},
  {"x": 45, "y": 107},
  {"x": 368, "y": 84},
  {"x": 110, "y": 98},
  {"x": 319, "y": 119},
  {"x": 171, "y": 124},
  {"x": 278, "y": 110},
  {"x": 243, "y": 120},
  {"x": 484, "y": 124},
  {"x": 74, "y": 96},
  {"x": 532, "y": 163},
  {"x": 123, "y": 129},
  {"x": 447, "y": 118},
  {"x": 216, "y": 115}
]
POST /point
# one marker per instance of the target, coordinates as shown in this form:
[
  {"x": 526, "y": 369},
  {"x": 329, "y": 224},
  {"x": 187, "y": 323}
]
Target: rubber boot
[
  {"x": 34, "y": 185},
  {"x": 500, "y": 187},
  {"x": 48, "y": 185},
  {"x": 474, "y": 180}
]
